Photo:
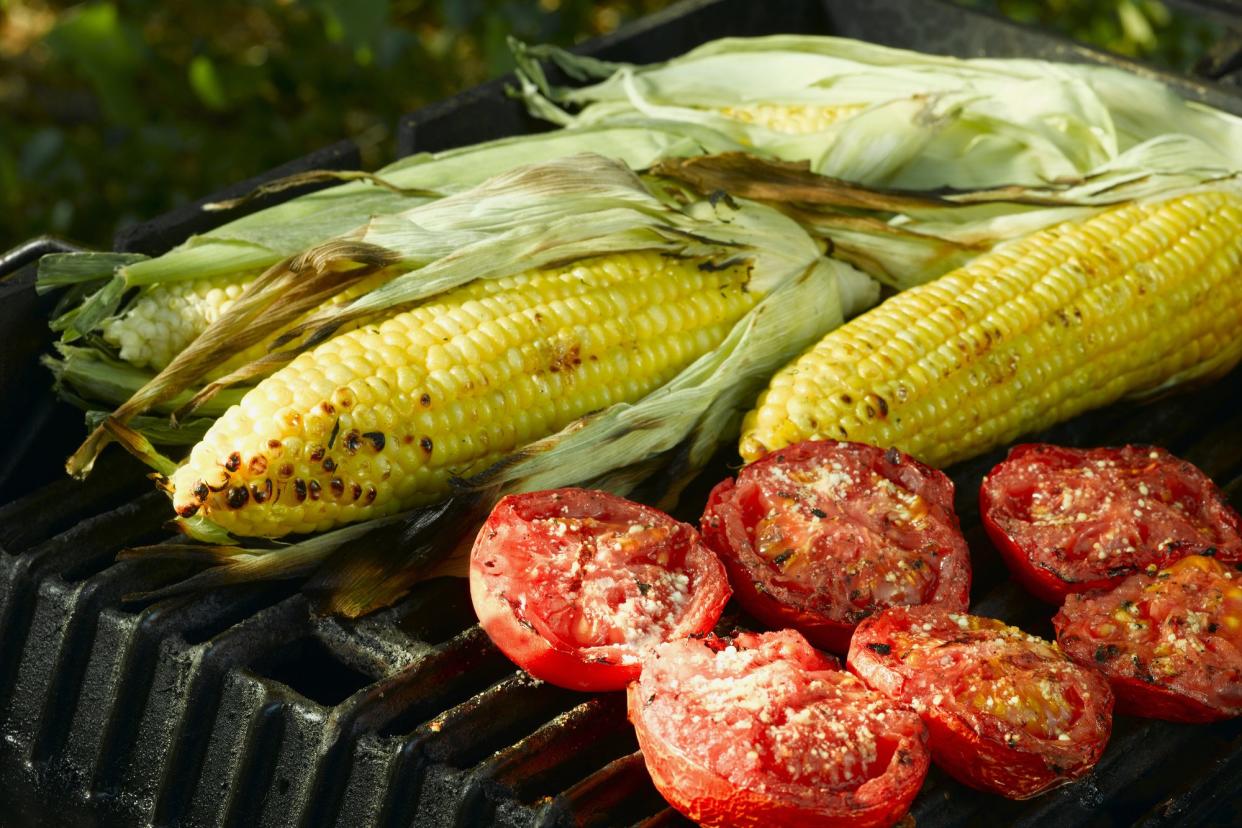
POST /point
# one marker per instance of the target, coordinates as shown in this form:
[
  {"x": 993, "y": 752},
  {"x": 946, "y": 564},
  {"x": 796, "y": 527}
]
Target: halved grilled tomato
[
  {"x": 575, "y": 585},
  {"x": 1170, "y": 644},
  {"x": 1070, "y": 520},
  {"x": 819, "y": 535},
  {"x": 763, "y": 730},
  {"x": 1007, "y": 712}
]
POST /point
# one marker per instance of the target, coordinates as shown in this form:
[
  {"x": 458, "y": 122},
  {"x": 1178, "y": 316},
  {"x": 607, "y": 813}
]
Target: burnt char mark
[
  {"x": 1141, "y": 672},
  {"x": 238, "y": 497},
  {"x": 712, "y": 266},
  {"x": 233, "y": 463},
  {"x": 299, "y": 489},
  {"x": 371, "y": 494},
  {"x": 352, "y": 442},
  {"x": 357, "y": 491},
  {"x": 338, "y": 487},
  {"x": 1107, "y": 652},
  {"x": 426, "y": 445},
  {"x": 880, "y": 649},
  {"x": 317, "y": 454},
  {"x": 315, "y": 489},
  {"x": 201, "y": 491},
  {"x": 425, "y": 401},
  {"x": 261, "y": 493},
  {"x": 377, "y": 439},
  {"x": 329, "y": 465}
]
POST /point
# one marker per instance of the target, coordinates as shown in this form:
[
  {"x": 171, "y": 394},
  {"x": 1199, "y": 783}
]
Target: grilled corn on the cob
[
  {"x": 379, "y": 419},
  {"x": 1131, "y": 301}
]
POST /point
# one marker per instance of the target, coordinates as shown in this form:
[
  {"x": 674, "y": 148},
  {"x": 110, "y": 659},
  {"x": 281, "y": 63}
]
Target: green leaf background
[{"x": 113, "y": 111}]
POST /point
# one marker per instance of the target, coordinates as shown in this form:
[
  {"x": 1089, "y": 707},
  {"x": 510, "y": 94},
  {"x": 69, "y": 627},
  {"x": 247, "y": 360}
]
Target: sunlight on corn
[
  {"x": 793, "y": 119},
  {"x": 378, "y": 419},
  {"x": 1132, "y": 301}
]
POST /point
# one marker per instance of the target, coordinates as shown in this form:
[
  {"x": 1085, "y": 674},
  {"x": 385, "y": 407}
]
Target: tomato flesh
[
  {"x": 1170, "y": 644},
  {"x": 1007, "y": 711},
  {"x": 822, "y": 534},
  {"x": 764, "y": 730},
  {"x": 575, "y": 585},
  {"x": 1069, "y": 520}
]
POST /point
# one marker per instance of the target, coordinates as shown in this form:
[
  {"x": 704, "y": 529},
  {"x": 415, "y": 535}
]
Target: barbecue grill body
[{"x": 239, "y": 708}]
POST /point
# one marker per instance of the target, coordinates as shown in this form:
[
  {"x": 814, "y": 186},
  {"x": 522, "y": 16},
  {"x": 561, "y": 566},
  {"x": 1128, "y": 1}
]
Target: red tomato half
[
  {"x": 1007, "y": 712},
  {"x": 763, "y": 730},
  {"x": 1069, "y": 520},
  {"x": 575, "y": 585},
  {"x": 819, "y": 535},
  {"x": 1171, "y": 644}
]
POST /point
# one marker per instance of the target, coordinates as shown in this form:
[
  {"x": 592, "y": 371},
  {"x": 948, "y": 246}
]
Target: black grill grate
[{"x": 239, "y": 708}]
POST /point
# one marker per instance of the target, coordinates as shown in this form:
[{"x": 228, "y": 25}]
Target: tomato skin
[
  {"x": 511, "y": 601},
  {"x": 981, "y": 749},
  {"x": 1131, "y": 479},
  {"x": 1170, "y": 668},
  {"x": 728, "y": 527},
  {"x": 713, "y": 796}
]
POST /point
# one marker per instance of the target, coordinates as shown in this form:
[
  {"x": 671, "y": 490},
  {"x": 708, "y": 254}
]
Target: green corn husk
[
  {"x": 576, "y": 208},
  {"x": 904, "y": 238},
  {"x": 924, "y": 121},
  {"x": 670, "y": 433},
  {"x": 250, "y": 244},
  {"x": 100, "y": 287}
]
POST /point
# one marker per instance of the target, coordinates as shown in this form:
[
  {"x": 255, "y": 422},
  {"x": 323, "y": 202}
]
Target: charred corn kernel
[
  {"x": 378, "y": 419},
  {"x": 795, "y": 119},
  {"x": 1135, "y": 299},
  {"x": 166, "y": 318}
]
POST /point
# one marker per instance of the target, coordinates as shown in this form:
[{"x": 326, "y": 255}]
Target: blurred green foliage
[
  {"x": 112, "y": 111},
  {"x": 1144, "y": 29},
  {"x": 116, "y": 110}
]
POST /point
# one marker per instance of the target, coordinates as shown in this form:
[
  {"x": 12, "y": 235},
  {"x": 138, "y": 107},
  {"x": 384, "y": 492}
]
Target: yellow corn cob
[
  {"x": 166, "y": 318},
  {"x": 378, "y": 419},
  {"x": 794, "y": 119},
  {"x": 1135, "y": 299}
]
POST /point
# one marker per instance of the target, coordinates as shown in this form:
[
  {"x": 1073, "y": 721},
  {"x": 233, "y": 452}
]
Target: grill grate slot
[
  {"x": 668, "y": 818},
  {"x": 437, "y": 610},
  {"x": 499, "y": 716},
  {"x": 258, "y": 767},
  {"x": 307, "y": 667},
  {"x": 565, "y": 751},
  {"x": 65, "y": 503},
  {"x": 618, "y": 793},
  {"x": 445, "y": 679},
  {"x": 1206, "y": 800}
]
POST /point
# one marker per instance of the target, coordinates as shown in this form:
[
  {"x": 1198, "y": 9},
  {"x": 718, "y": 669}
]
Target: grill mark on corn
[{"x": 463, "y": 380}]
